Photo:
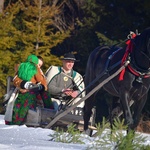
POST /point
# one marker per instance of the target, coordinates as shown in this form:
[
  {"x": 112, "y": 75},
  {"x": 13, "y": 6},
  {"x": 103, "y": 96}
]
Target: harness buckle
[{"x": 139, "y": 79}]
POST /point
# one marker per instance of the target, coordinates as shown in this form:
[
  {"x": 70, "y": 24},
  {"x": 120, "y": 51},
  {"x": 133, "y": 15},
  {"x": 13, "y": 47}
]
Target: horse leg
[
  {"x": 113, "y": 109},
  {"x": 89, "y": 103},
  {"x": 138, "y": 106},
  {"x": 126, "y": 109}
]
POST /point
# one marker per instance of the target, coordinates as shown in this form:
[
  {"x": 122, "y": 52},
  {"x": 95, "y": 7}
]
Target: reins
[{"x": 105, "y": 72}]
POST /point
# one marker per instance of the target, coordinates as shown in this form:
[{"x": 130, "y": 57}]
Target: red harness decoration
[
  {"x": 128, "y": 50},
  {"x": 136, "y": 73}
]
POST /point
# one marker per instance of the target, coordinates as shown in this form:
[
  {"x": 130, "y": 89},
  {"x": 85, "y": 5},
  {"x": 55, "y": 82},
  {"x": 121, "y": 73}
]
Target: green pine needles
[
  {"x": 105, "y": 138},
  {"x": 72, "y": 135},
  {"x": 116, "y": 138}
]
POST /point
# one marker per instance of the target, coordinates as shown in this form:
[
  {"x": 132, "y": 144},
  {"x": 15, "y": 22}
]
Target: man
[{"x": 64, "y": 83}]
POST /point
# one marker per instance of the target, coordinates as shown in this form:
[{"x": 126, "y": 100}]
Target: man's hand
[
  {"x": 74, "y": 94},
  {"x": 70, "y": 92}
]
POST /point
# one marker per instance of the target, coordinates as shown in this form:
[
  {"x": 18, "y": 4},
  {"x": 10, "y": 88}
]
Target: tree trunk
[{"x": 1, "y": 5}]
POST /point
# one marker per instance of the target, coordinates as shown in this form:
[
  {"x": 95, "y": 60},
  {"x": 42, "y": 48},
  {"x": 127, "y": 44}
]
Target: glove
[
  {"x": 37, "y": 87},
  {"x": 31, "y": 86},
  {"x": 28, "y": 85}
]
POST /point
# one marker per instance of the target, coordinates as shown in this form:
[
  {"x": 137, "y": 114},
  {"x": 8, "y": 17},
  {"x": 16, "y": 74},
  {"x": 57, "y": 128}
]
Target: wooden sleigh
[
  {"x": 41, "y": 117},
  {"x": 49, "y": 118}
]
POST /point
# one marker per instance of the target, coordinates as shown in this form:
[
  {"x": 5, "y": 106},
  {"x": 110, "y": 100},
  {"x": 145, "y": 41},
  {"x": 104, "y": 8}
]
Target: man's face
[{"x": 68, "y": 64}]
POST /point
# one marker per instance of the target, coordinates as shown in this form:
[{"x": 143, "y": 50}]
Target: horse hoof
[{"x": 88, "y": 132}]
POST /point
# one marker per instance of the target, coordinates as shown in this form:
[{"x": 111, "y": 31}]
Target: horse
[{"x": 132, "y": 83}]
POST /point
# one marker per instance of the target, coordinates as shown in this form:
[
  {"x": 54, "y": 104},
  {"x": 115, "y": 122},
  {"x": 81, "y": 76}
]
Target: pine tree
[
  {"x": 28, "y": 27},
  {"x": 1, "y": 6},
  {"x": 8, "y": 40},
  {"x": 38, "y": 33}
]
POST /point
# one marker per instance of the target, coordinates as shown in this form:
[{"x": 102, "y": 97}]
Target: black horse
[{"x": 132, "y": 83}]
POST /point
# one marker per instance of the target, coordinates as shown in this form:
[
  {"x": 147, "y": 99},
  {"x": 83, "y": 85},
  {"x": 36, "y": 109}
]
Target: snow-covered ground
[{"x": 26, "y": 138}]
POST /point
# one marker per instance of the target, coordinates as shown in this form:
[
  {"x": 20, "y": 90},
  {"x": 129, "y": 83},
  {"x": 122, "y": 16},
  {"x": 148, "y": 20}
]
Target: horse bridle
[{"x": 136, "y": 70}]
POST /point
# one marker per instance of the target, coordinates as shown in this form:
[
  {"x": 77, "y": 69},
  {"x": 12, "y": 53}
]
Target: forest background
[{"x": 51, "y": 28}]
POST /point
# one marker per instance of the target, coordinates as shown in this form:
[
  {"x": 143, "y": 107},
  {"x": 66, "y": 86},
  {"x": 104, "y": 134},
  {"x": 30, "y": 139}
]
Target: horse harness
[{"x": 133, "y": 68}]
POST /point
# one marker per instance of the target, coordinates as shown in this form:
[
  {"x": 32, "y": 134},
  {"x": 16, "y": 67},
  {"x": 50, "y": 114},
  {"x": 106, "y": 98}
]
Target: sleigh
[
  {"x": 43, "y": 117},
  {"x": 49, "y": 118}
]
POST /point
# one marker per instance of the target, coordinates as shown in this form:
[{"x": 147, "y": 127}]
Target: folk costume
[{"x": 27, "y": 73}]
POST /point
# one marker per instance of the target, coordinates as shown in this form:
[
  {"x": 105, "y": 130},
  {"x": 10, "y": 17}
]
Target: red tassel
[
  {"x": 121, "y": 76},
  {"x": 128, "y": 50}
]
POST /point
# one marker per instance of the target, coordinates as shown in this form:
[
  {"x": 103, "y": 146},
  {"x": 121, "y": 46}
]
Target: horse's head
[
  {"x": 142, "y": 45},
  {"x": 142, "y": 42}
]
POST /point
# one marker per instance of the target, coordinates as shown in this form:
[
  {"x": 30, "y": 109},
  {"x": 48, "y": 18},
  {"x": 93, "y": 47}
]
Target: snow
[{"x": 22, "y": 137}]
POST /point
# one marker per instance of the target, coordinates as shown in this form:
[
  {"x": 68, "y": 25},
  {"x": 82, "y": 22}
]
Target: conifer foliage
[{"x": 28, "y": 27}]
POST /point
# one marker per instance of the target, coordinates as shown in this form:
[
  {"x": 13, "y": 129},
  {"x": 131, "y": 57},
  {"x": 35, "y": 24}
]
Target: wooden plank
[
  {"x": 49, "y": 114},
  {"x": 81, "y": 124},
  {"x": 43, "y": 116},
  {"x": 46, "y": 115}
]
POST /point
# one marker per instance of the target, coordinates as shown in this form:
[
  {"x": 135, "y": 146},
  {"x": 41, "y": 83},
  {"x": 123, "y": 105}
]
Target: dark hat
[{"x": 69, "y": 56}]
